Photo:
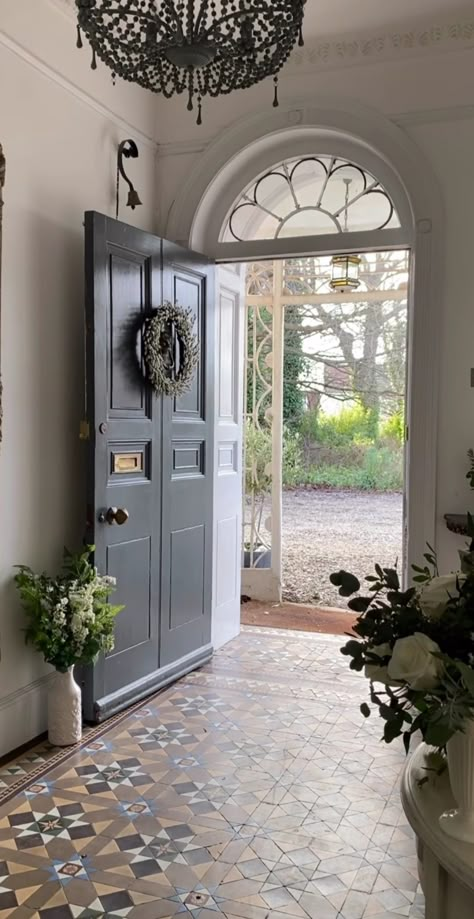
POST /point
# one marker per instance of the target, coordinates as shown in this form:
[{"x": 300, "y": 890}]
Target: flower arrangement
[
  {"x": 416, "y": 646},
  {"x": 69, "y": 619}
]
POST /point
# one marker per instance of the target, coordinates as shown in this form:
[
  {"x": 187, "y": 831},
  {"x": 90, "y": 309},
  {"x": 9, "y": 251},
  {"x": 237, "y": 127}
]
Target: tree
[
  {"x": 294, "y": 366},
  {"x": 354, "y": 350}
]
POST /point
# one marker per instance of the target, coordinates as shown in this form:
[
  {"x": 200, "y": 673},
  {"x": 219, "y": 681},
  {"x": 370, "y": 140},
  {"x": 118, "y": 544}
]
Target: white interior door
[{"x": 230, "y": 304}]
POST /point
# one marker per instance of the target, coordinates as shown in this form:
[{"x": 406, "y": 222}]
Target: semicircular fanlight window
[{"x": 310, "y": 196}]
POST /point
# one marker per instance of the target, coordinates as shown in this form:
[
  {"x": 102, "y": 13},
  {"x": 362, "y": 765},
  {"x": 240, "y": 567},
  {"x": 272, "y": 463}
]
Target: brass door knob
[{"x": 117, "y": 515}]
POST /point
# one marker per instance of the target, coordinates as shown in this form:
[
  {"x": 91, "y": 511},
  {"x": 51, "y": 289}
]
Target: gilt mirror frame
[{"x": 2, "y": 183}]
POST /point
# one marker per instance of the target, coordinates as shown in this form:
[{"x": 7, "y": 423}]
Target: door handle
[{"x": 118, "y": 515}]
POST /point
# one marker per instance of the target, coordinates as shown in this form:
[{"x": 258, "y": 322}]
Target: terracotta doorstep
[{"x": 324, "y": 619}]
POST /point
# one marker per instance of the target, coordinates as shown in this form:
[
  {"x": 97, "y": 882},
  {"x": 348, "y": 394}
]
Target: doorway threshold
[{"x": 298, "y": 616}]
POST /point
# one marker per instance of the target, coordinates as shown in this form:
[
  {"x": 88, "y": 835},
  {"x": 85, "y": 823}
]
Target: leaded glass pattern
[{"x": 310, "y": 196}]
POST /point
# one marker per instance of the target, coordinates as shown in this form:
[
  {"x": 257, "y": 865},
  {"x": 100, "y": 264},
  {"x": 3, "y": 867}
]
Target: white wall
[
  {"x": 430, "y": 97},
  {"x": 450, "y": 149},
  {"x": 60, "y": 145}
]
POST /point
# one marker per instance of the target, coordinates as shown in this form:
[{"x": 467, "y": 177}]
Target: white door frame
[
  {"x": 354, "y": 132},
  {"x": 227, "y": 507}
]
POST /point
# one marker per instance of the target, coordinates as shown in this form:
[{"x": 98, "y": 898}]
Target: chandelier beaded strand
[{"x": 198, "y": 47}]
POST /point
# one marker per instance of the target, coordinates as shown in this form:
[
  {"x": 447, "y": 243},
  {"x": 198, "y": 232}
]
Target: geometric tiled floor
[{"x": 252, "y": 788}]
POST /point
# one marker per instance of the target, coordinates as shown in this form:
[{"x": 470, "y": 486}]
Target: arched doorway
[{"x": 220, "y": 213}]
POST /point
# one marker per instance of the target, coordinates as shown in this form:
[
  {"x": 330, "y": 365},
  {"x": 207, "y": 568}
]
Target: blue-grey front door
[{"x": 150, "y": 465}]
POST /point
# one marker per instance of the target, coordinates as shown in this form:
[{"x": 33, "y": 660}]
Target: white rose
[
  {"x": 413, "y": 662},
  {"x": 376, "y": 672},
  {"x": 435, "y": 595}
]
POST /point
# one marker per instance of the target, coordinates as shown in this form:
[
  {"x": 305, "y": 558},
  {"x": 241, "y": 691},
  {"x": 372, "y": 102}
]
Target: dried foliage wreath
[{"x": 170, "y": 349}]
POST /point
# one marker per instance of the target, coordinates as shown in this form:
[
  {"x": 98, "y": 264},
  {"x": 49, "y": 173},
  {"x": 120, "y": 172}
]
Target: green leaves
[
  {"x": 388, "y": 613},
  {"x": 392, "y": 581},
  {"x": 429, "y": 571},
  {"x": 467, "y": 676},
  {"x": 360, "y": 604},
  {"x": 347, "y": 583},
  {"x": 68, "y": 618},
  {"x": 392, "y": 729},
  {"x": 437, "y": 734},
  {"x": 352, "y": 648}
]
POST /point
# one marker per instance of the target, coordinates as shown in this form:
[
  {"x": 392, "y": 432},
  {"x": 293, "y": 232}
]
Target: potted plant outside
[{"x": 258, "y": 483}]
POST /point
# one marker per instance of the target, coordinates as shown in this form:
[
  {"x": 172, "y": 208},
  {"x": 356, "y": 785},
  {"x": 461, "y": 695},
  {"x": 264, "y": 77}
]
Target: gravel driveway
[{"x": 327, "y": 530}]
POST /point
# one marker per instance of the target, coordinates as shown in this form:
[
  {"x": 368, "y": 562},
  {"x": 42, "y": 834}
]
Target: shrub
[
  {"x": 394, "y": 427},
  {"x": 360, "y": 465},
  {"x": 292, "y": 458},
  {"x": 309, "y": 425},
  {"x": 258, "y": 457},
  {"x": 380, "y": 469},
  {"x": 353, "y": 424}
]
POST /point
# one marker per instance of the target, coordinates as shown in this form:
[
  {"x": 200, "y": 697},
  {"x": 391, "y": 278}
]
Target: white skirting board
[{"x": 23, "y": 715}]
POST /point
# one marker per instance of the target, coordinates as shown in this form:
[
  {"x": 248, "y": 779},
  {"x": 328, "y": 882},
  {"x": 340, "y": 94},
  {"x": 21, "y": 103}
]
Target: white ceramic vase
[
  {"x": 64, "y": 710},
  {"x": 459, "y": 823}
]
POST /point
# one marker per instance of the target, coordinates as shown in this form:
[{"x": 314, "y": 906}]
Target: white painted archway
[{"x": 341, "y": 128}]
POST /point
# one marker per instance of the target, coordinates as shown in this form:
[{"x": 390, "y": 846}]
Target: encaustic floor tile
[{"x": 250, "y": 789}]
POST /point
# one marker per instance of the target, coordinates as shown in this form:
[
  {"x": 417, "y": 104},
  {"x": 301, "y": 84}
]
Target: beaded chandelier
[{"x": 198, "y": 47}]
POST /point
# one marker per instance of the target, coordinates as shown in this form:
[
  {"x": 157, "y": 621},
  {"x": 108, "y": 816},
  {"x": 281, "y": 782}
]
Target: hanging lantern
[{"x": 345, "y": 273}]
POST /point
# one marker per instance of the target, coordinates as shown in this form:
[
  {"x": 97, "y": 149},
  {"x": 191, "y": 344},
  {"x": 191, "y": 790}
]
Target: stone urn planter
[{"x": 459, "y": 822}]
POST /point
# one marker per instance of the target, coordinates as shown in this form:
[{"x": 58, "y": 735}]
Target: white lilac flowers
[{"x": 69, "y": 618}]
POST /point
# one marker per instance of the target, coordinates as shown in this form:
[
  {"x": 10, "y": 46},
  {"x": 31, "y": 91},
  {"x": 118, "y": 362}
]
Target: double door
[{"x": 150, "y": 465}]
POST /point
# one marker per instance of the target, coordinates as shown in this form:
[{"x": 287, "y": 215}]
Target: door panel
[
  {"x": 188, "y": 470},
  {"x": 228, "y": 453},
  {"x": 227, "y": 561},
  {"x": 190, "y": 291},
  {"x": 150, "y": 456},
  {"x": 130, "y": 562},
  {"x": 123, "y": 280},
  {"x": 187, "y": 593},
  {"x": 129, "y": 279}
]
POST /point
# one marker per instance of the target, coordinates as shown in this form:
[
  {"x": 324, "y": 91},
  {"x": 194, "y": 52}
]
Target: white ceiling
[{"x": 330, "y": 18}]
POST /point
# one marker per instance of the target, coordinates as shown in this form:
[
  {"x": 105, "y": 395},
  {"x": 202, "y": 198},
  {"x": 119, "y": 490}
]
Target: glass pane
[
  {"x": 273, "y": 193},
  {"x": 371, "y": 212},
  {"x": 249, "y": 222},
  {"x": 308, "y": 178},
  {"x": 310, "y": 222},
  {"x": 310, "y": 196}
]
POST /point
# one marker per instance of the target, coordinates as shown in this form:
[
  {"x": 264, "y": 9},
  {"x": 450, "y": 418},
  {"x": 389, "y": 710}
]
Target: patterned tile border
[{"x": 59, "y": 756}]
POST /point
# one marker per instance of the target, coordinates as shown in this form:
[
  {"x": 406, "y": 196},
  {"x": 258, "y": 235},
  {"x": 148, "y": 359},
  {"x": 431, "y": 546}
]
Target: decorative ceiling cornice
[{"x": 348, "y": 50}]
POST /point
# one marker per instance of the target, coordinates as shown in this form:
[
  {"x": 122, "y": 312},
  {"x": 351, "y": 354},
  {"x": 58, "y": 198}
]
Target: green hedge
[
  {"x": 348, "y": 463},
  {"x": 381, "y": 469},
  {"x": 353, "y": 424},
  {"x": 370, "y": 467}
]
